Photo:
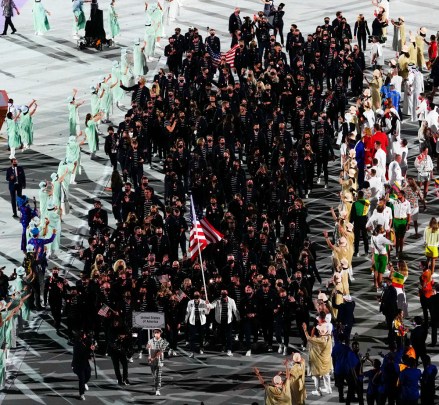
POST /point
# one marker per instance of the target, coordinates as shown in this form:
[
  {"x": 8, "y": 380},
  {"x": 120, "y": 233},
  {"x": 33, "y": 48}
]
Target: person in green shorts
[{"x": 379, "y": 249}]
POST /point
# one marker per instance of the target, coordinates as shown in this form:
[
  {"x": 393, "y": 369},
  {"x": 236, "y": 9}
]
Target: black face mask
[
  {"x": 15, "y": 165},
  {"x": 223, "y": 295},
  {"x": 249, "y": 294}
]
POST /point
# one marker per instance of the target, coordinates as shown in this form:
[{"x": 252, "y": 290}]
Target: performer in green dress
[
  {"x": 91, "y": 134},
  {"x": 106, "y": 97},
  {"x": 149, "y": 39},
  {"x": 73, "y": 158},
  {"x": 125, "y": 68},
  {"x": 41, "y": 22},
  {"x": 113, "y": 23},
  {"x": 26, "y": 124},
  {"x": 23, "y": 286},
  {"x": 116, "y": 76},
  {"x": 140, "y": 68},
  {"x": 54, "y": 216},
  {"x": 73, "y": 113},
  {"x": 43, "y": 197},
  {"x": 79, "y": 16},
  {"x": 13, "y": 131}
]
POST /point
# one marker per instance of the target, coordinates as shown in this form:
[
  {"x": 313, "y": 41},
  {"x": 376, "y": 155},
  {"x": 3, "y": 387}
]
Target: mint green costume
[{"x": 41, "y": 22}]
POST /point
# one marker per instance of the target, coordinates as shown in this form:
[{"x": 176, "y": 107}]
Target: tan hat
[
  {"x": 344, "y": 263},
  {"x": 343, "y": 214},
  {"x": 376, "y": 73},
  {"x": 405, "y": 49},
  {"x": 366, "y": 92},
  {"x": 352, "y": 152},
  {"x": 322, "y": 296},
  {"x": 277, "y": 379},
  {"x": 352, "y": 173},
  {"x": 401, "y": 19},
  {"x": 343, "y": 241},
  {"x": 423, "y": 31},
  {"x": 297, "y": 358},
  {"x": 392, "y": 62}
]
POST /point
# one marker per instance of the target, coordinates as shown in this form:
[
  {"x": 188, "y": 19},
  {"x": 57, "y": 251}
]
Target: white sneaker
[
  {"x": 86, "y": 387},
  {"x": 307, "y": 195},
  {"x": 318, "y": 180},
  {"x": 280, "y": 350},
  {"x": 326, "y": 391},
  {"x": 201, "y": 351},
  {"x": 157, "y": 393},
  {"x": 318, "y": 393},
  {"x": 130, "y": 360},
  {"x": 140, "y": 355},
  {"x": 82, "y": 397},
  {"x": 326, "y": 185},
  {"x": 170, "y": 353},
  {"x": 191, "y": 356},
  {"x": 285, "y": 351},
  {"x": 229, "y": 353},
  {"x": 157, "y": 44},
  {"x": 248, "y": 353}
]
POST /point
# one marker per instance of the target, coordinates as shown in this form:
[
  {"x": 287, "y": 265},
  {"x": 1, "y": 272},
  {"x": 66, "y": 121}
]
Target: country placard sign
[{"x": 148, "y": 320}]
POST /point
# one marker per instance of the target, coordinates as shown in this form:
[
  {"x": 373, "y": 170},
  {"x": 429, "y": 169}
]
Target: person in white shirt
[
  {"x": 376, "y": 189},
  {"x": 380, "y": 156},
  {"x": 379, "y": 245},
  {"x": 401, "y": 219},
  {"x": 382, "y": 215},
  {"x": 424, "y": 165},
  {"x": 402, "y": 149},
  {"x": 196, "y": 312},
  {"x": 395, "y": 173},
  {"x": 225, "y": 308},
  {"x": 376, "y": 54},
  {"x": 422, "y": 108}
]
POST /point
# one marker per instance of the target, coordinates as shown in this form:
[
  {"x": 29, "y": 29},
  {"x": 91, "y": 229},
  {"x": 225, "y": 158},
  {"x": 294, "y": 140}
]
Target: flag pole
[{"x": 194, "y": 221}]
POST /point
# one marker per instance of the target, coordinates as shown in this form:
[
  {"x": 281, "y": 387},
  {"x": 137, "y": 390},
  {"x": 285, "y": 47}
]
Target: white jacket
[
  {"x": 203, "y": 309},
  {"x": 231, "y": 309}
]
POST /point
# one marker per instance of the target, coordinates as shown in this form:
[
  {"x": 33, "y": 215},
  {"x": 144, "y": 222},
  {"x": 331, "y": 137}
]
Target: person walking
[
  {"x": 431, "y": 242},
  {"x": 156, "y": 352},
  {"x": 8, "y": 12},
  {"x": 196, "y": 320},
  {"x": 82, "y": 351},
  {"x": 16, "y": 178}
]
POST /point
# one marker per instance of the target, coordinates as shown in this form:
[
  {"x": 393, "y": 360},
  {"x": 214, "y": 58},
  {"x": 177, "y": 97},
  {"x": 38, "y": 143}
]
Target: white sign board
[{"x": 148, "y": 320}]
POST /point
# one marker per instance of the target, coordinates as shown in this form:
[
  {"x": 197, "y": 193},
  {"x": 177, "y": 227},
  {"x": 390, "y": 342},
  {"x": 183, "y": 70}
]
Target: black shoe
[
  {"x": 13, "y": 32},
  {"x": 3, "y": 34},
  {"x": 120, "y": 383},
  {"x": 15, "y": 216}
]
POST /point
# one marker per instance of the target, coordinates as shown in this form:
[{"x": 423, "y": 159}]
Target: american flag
[
  {"x": 202, "y": 233},
  {"x": 104, "y": 311},
  {"x": 230, "y": 55},
  {"x": 216, "y": 56}
]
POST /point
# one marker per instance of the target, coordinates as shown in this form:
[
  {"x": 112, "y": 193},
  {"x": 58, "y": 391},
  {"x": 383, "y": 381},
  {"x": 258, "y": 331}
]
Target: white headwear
[
  {"x": 20, "y": 271},
  {"x": 54, "y": 176},
  {"x": 30, "y": 248},
  {"x": 36, "y": 220},
  {"x": 42, "y": 184},
  {"x": 24, "y": 109}
]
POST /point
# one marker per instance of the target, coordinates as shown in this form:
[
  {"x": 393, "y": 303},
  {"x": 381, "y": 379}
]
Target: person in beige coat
[
  {"x": 297, "y": 380},
  {"x": 320, "y": 361}
]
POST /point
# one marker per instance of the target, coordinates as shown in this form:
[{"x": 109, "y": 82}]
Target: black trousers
[
  {"x": 84, "y": 374},
  {"x": 194, "y": 331},
  {"x": 55, "y": 309},
  {"x": 8, "y": 21},
  {"x": 120, "y": 358},
  {"x": 16, "y": 191},
  {"x": 360, "y": 232}
]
